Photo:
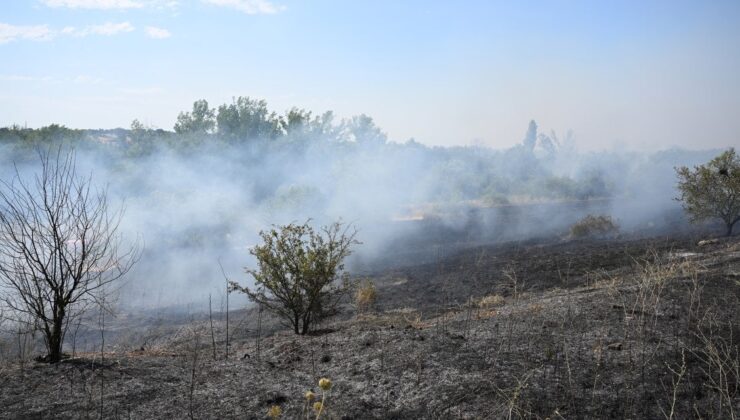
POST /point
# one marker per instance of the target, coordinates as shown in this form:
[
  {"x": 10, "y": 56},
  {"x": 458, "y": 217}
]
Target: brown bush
[
  {"x": 365, "y": 296},
  {"x": 491, "y": 301},
  {"x": 594, "y": 226}
]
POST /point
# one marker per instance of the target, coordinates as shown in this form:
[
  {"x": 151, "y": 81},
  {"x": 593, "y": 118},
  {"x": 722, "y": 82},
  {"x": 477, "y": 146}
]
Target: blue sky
[{"x": 642, "y": 74}]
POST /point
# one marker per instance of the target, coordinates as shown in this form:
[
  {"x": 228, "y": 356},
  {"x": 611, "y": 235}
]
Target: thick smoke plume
[{"x": 201, "y": 195}]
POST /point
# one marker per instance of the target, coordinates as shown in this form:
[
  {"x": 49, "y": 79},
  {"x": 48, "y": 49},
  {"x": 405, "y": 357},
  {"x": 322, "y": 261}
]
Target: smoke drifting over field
[{"x": 202, "y": 200}]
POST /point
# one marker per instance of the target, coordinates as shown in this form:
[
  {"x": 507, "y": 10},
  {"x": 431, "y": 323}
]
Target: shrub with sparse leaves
[{"x": 300, "y": 274}]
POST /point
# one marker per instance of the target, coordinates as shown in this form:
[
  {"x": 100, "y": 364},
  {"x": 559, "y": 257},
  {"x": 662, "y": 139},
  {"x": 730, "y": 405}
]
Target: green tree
[
  {"x": 200, "y": 121},
  {"x": 143, "y": 139},
  {"x": 712, "y": 190},
  {"x": 362, "y": 129},
  {"x": 297, "y": 121},
  {"x": 301, "y": 274},
  {"x": 247, "y": 118}
]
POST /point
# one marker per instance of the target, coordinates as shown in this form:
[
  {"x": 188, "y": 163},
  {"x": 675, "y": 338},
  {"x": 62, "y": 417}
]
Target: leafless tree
[{"x": 60, "y": 249}]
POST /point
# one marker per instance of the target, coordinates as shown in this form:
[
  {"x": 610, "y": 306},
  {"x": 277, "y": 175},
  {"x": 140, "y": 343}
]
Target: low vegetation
[
  {"x": 594, "y": 227},
  {"x": 300, "y": 274}
]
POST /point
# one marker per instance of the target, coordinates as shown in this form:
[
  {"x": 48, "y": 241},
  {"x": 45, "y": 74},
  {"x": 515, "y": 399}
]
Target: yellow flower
[
  {"x": 275, "y": 412},
  {"x": 310, "y": 395},
  {"x": 318, "y": 406},
  {"x": 325, "y": 384}
]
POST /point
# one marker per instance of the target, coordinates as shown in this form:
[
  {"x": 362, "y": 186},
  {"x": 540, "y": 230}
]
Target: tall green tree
[
  {"x": 200, "y": 120},
  {"x": 712, "y": 190},
  {"x": 297, "y": 120},
  {"x": 246, "y": 119}
]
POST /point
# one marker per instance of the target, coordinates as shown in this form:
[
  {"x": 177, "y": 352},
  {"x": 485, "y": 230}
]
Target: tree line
[{"x": 248, "y": 119}]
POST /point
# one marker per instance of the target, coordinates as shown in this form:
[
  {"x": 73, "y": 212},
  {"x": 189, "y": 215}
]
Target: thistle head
[
  {"x": 325, "y": 384},
  {"x": 274, "y": 412}
]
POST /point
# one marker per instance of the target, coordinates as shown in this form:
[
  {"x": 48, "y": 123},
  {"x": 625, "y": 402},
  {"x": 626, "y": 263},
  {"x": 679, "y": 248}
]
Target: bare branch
[{"x": 59, "y": 244}]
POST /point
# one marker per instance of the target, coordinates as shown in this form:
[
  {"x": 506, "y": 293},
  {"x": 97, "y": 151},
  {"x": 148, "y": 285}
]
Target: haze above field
[{"x": 641, "y": 75}]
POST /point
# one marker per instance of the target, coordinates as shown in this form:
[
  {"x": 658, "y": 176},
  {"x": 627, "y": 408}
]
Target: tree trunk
[
  {"x": 729, "y": 228},
  {"x": 55, "y": 340},
  {"x": 304, "y": 330},
  {"x": 306, "y": 323}
]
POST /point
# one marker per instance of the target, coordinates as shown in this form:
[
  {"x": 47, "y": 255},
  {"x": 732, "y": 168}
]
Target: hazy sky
[{"x": 642, "y": 74}]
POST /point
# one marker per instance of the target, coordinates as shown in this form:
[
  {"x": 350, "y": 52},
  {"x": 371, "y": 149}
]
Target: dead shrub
[
  {"x": 535, "y": 308},
  {"x": 490, "y": 301},
  {"x": 365, "y": 296},
  {"x": 594, "y": 226}
]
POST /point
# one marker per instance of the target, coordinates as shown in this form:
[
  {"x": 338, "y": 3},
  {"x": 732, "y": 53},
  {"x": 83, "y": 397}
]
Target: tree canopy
[
  {"x": 712, "y": 190},
  {"x": 200, "y": 120}
]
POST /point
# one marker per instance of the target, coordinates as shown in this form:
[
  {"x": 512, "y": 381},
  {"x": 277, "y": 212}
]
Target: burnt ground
[
  {"x": 510, "y": 268},
  {"x": 621, "y": 328}
]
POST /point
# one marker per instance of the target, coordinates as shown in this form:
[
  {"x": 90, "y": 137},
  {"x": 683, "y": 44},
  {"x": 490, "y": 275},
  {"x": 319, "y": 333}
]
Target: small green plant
[{"x": 594, "y": 226}]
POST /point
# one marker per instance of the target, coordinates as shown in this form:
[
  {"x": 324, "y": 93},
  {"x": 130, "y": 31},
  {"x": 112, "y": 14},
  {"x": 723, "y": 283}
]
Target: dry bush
[
  {"x": 594, "y": 226},
  {"x": 192, "y": 347},
  {"x": 719, "y": 363},
  {"x": 694, "y": 341},
  {"x": 365, "y": 296},
  {"x": 535, "y": 308},
  {"x": 490, "y": 301}
]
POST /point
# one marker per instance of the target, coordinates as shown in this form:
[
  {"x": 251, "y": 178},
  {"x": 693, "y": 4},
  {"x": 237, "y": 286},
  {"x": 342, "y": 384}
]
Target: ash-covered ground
[{"x": 638, "y": 326}]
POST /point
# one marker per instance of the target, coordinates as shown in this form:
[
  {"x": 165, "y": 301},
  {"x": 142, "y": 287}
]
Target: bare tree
[{"x": 59, "y": 245}]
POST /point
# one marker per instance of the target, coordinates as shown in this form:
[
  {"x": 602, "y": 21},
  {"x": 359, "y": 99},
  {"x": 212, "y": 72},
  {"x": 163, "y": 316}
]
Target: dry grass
[
  {"x": 490, "y": 301},
  {"x": 366, "y": 296}
]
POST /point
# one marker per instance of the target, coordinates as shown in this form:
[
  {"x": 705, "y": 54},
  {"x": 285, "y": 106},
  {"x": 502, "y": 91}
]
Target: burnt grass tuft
[{"x": 628, "y": 328}]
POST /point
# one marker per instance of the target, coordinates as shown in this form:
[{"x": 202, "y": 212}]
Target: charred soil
[{"x": 627, "y": 328}]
